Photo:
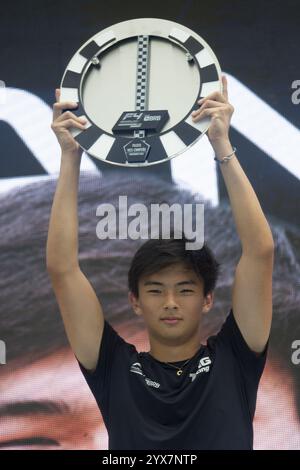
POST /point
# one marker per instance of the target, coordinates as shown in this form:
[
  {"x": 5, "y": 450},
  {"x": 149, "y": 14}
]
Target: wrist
[
  {"x": 72, "y": 155},
  {"x": 222, "y": 147}
]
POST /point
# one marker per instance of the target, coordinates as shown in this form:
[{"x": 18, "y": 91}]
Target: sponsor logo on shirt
[
  {"x": 136, "y": 368},
  {"x": 203, "y": 366}
]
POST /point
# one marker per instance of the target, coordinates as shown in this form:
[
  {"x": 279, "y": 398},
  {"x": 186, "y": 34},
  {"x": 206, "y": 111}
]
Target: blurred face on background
[{"x": 47, "y": 405}]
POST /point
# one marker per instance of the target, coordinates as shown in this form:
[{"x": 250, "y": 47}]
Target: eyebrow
[
  {"x": 156, "y": 283},
  {"x": 33, "y": 407}
]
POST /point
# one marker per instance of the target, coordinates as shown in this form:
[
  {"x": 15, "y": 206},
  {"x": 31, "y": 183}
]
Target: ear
[
  {"x": 134, "y": 302},
  {"x": 208, "y": 302}
]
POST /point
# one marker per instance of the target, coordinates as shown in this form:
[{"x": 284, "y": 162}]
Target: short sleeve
[
  {"x": 251, "y": 363},
  {"x": 98, "y": 380}
]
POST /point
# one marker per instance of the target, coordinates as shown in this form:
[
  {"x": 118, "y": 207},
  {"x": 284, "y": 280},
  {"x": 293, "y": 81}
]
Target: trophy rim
[{"x": 157, "y": 27}]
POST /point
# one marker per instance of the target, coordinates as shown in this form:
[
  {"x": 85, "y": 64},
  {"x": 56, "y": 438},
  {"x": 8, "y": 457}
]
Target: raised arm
[
  {"x": 252, "y": 288},
  {"x": 79, "y": 306}
]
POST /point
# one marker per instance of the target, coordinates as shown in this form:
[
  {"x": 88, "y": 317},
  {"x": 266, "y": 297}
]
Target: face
[{"x": 175, "y": 291}]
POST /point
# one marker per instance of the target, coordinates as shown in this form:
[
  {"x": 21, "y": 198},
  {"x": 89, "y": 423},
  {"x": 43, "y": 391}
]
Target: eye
[
  {"x": 155, "y": 291},
  {"x": 186, "y": 290}
]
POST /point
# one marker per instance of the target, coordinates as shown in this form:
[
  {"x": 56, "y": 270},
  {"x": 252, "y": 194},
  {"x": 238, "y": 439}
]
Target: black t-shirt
[{"x": 146, "y": 405}]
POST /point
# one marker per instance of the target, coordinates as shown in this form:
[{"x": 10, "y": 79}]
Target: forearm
[
  {"x": 62, "y": 242},
  {"x": 252, "y": 226}
]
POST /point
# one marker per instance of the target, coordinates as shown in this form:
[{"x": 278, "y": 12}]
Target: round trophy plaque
[{"x": 137, "y": 83}]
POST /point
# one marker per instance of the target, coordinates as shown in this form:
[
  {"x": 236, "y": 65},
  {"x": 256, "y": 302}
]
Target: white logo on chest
[
  {"x": 203, "y": 366},
  {"x": 137, "y": 369}
]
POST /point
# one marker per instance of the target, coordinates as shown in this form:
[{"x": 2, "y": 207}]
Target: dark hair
[{"x": 160, "y": 253}]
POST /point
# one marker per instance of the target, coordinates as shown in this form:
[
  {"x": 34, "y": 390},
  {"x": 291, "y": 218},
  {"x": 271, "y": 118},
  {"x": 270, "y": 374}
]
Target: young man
[{"x": 181, "y": 394}]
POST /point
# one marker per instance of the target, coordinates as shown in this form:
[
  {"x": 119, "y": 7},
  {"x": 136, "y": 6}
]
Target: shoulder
[{"x": 229, "y": 340}]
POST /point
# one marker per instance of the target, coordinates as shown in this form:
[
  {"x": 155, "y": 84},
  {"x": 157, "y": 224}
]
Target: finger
[
  {"x": 225, "y": 87},
  {"x": 67, "y": 124},
  {"x": 215, "y": 95},
  {"x": 58, "y": 107},
  {"x": 208, "y": 104},
  {"x": 213, "y": 112},
  {"x": 68, "y": 115},
  {"x": 72, "y": 123}
]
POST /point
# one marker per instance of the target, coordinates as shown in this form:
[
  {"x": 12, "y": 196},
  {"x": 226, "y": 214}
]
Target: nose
[{"x": 170, "y": 302}]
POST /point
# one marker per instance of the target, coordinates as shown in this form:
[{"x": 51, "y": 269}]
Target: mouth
[{"x": 171, "y": 320}]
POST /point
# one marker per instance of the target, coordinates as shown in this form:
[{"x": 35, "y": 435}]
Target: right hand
[{"x": 62, "y": 121}]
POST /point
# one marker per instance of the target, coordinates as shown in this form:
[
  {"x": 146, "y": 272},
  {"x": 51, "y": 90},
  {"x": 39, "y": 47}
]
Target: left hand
[{"x": 217, "y": 106}]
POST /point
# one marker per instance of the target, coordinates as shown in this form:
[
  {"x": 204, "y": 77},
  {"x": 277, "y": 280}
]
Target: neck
[{"x": 174, "y": 353}]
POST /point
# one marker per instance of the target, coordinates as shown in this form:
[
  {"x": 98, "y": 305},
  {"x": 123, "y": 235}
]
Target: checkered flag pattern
[{"x": 142, "y": 78}]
